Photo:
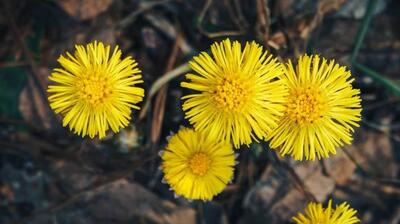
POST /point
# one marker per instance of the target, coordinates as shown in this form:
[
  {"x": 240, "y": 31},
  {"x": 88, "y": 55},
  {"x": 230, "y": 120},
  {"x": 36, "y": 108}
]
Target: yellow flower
[
  {"x": 196, "y": 166},
  {"x": 321, "y": 112},
  {"x": 239, "y": 96},
  {"x": 316, "y": 214},
  {"x": 95, "y": 91}
]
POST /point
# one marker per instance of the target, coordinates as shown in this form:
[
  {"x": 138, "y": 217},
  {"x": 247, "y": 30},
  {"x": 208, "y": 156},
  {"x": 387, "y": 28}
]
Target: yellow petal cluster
[
  {"x": 321, "y": 112},
  {"x": 196, "y": 166},
  {"x": 239, "y": 93},
  {"x": 316, "y": 214},
  {"x": 95, "y": 90}
]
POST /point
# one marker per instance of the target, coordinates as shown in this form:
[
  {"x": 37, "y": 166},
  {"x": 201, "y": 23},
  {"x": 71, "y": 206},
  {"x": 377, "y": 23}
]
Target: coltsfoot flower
[
  {"x": 95, "y": 90},
  {"x": 239, "y": 96},
  {"x": 316, "y": 214},
  {"x": 196, "y": 166},
  {"x": 322, "y": 110}
]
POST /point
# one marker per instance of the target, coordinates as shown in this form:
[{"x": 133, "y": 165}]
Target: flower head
[
  {"x": 239, "y": 94},
  {"x": 196, "y": 166},
  {"x": 95, "y": 91},
  {"x": 321, "y": 111},
  {"x": 316, "y": 214}
]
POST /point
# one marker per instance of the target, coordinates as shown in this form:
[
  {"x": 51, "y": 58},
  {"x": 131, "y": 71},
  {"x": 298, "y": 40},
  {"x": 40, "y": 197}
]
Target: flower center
[
  {"x": 200, "y": 163},
  {"x": 94, "y": 87},
  {"x": 230, "y": 94},
  {"x": 306, "y": 105}
]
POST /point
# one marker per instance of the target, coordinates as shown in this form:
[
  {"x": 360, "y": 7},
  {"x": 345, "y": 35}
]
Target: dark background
[{"x": 48, "y": 175}]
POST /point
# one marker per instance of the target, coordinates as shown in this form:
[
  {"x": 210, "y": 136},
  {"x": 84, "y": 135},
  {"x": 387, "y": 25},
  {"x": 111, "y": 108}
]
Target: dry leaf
[
  {"x": 278, "y": 200},
  {"x": 273, "y": 202},
  {"x": 340, "y": 167},
  {"x": 7, "y": 192},
  {"x": 122, "y": 201},
  {"x": 84, "y": 9},
  {"x": 374, "y": 152},
  {"x": 34, "y": 106},
  {"x": 314, "y": 180}
]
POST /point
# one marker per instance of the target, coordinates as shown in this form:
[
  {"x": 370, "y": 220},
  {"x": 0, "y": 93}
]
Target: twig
[
  {"x": 263, "y": 20},
  {"x": 13, "y": 64},
  {"x": 390, "y": 182},
  {"x": 159, "y": 105},
  {"x": 240, "y": 16},
  {"x": 323, "y": 7},
  {"x": 159, "y": 24},
  {"x": 160, "y": 82},
  {"x": 145, "y": 6},
  {"x": 222, "y": 33},
  {"x": 204, "y": 11},
  {"x": 235, "y": 16},
  {"x": 214, "y": 34},
  {"x": 169, "y": 30}
]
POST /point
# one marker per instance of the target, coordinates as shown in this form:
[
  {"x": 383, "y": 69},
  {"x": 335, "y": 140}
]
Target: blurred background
[{"x": 48, "y": 175}]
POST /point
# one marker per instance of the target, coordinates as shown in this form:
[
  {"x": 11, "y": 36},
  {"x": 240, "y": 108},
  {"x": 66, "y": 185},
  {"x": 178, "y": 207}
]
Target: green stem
[
  {"x": 362, "y": 31},
  {"x": 378, "y": 78}
]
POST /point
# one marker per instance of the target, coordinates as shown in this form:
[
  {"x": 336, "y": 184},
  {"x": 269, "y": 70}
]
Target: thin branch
[
  {"x": 169, "y": 30},
  {"x": 159, "y": 83},
  {"x": 214, "y": 34},
  {"x": 13, "y": 64},
  {"x": 263, "y": 20},
  {"x": 145, "y": 6},
  {"x": 159, "y": 105}
]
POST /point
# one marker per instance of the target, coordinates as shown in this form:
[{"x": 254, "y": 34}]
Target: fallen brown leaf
[
  {"x": 314, "y": 180},
  {"x": 84, "y": 9},
  {"x": 123, "y": 200},
  {"x": 34, "y": 106},
  {"x": 374, "y": 152},
  {"x": 340, "y": 167}
]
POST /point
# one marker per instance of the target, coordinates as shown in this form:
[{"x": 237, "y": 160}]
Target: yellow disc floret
[
  {"x": 306, "y": 105},
  {"x": 95, "y": 88},
  {"x": 231, "y": 94},
  {"x": 200, "y": 163}
]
